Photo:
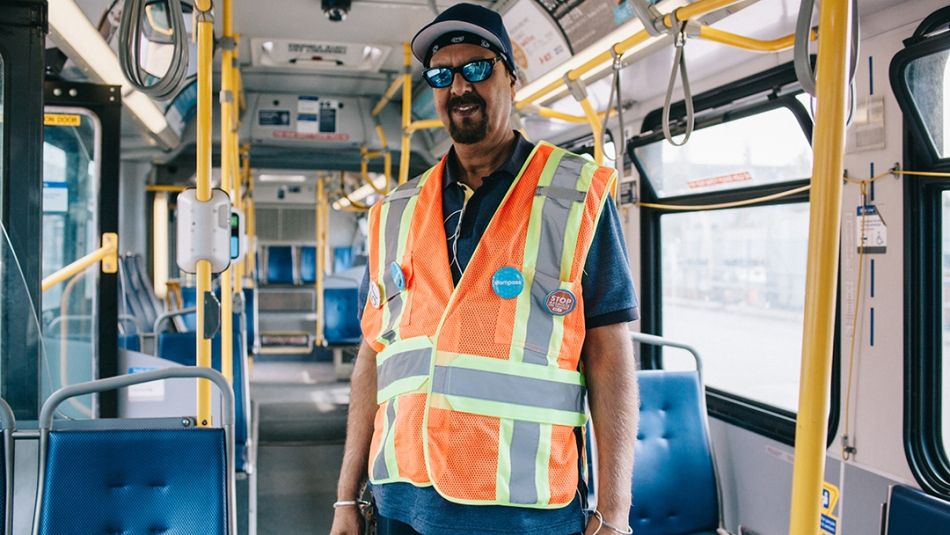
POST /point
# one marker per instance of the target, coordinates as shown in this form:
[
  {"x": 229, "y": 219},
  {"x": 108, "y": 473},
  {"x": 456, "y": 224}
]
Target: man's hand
[
  {"x": 346, "y": 521},
  {"x": 594, "y": 524}
]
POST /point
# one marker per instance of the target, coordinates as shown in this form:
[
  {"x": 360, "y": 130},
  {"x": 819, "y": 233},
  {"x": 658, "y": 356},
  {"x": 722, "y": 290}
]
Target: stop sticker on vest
[
  {"x": 560, "y": 302},
  {"x": 375, "y": 295},
  {"x": 507, "y": 283},
  {"x": 399, "y": 279}
]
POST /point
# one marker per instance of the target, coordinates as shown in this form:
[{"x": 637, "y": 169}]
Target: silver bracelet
[
  {"x": 349, "y": 503},
  {"x": 603, "y": 524}
]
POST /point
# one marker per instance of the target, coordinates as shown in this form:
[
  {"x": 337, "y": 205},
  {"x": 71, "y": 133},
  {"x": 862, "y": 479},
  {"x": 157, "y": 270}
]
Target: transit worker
[{"x": 496, "y": 302}]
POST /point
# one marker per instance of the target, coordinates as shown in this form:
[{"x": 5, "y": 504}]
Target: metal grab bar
[
  {"x": 652, "y": 339},
  {"x": 108, "y": 254},
  {"x": 169, "y": 315}
]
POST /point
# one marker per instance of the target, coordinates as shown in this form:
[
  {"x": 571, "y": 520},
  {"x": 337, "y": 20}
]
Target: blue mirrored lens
[
  {"x": 477, "y": 71},
  {"x": 439, "y": 77}
]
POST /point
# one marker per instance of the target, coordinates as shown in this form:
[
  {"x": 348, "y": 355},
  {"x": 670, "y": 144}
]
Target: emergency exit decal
[{"x": 870, "y": 230}]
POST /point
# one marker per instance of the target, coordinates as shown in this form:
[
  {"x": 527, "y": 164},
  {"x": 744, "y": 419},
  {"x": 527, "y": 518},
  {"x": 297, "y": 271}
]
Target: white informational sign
[
  {"x": 153, "y": 391},
  {"x": 55, "y": 196},
  {"x": 537, "y": 43},
  {"x": 308, "y": 123},
  {"x": 307, "y": 104},
  {"x": 873, "y": 239}
]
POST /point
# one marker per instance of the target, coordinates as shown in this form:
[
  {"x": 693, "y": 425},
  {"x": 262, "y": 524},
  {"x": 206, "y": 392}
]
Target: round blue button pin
[
  {"x": 507, "y": 282},
  {"x": 395, "y": 270}
]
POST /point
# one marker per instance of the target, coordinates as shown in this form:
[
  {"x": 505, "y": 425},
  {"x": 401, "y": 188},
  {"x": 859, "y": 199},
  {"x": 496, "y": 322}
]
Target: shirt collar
[{"x": 511, "y": 167}]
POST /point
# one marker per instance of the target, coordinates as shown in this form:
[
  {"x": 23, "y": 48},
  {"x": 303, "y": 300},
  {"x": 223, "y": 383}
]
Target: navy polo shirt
[{"x": 609, "y": 298}]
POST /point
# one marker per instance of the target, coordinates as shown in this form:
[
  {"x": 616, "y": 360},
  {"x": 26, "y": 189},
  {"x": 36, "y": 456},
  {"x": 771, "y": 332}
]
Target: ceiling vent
[{"x": 318, "y": 55}]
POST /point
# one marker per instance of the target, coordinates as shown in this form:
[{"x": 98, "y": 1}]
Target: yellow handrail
[
  {"x": 748, "y": 43},
  {"x": 549, "y": 113},
  {"x": 228, "y": 148},
  {"x": 364, "y": 172},
  {"x": 596, "y": 127},
  {"x": 107, "y": 254},
  {"x": 406, "y": 115},
  {"x": 387, "y": 156},
  {"x": 388, "y": 95},
  {"x": 203, "y": 194},
  {"x": 160, "y": 188},
  {"x": 321, "y": 253},
  {"x": 824, "y": 230},
  {"x": 425, "y": 124}
]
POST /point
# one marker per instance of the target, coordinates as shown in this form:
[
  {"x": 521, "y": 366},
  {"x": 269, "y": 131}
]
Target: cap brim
[{"x": 423, "y": 40}]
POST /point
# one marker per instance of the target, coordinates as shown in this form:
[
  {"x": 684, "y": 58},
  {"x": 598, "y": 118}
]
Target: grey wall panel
[{"x": 133, "y": 225}]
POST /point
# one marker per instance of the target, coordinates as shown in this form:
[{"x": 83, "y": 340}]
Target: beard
[{"x": 467, "y": 130}]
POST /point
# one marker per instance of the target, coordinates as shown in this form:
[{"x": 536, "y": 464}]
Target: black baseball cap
[{"x": 464, "y": 23}]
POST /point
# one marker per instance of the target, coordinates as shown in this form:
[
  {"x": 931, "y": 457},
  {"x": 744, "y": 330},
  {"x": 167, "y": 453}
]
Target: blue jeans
[{"x": 385, "y": 526}]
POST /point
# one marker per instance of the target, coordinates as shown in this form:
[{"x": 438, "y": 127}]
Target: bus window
[
  {"x": 927, "y": 78},
  {"x": 733, "y": 280},
  {"x": 731, "y": 155},
  {"x": 1, "y": 129},
  {"x": 945, "y": 410},
  {"x": 70, "y": 231}
]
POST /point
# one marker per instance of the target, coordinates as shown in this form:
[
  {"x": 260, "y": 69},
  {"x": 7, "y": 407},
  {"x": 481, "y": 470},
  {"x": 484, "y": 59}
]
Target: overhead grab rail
[
  {"x": 666, "y": 21},
  {"x": 130, "y": 46},
  {"x": 107, "y": 253}
]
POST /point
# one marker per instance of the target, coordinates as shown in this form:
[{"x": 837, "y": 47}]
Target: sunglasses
[{"x": 473, "y": 72}]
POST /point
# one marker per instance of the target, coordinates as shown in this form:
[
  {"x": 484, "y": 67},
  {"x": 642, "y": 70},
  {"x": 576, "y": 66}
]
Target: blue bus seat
[
  {"x": 341, "y": 325},
  {"x": 280, "y": 264},
  {"x": 250, "y": 317},
  {"x": 148, "y": 476},
  {"x": 342, "y": 258},
  {"x": 308, "y": 265},
  {"x": 910, "y": 511},
  {"x": 181, "y": 348},
  {"x": 131, "y": 342},
  {"x": 673, "y": 452}
]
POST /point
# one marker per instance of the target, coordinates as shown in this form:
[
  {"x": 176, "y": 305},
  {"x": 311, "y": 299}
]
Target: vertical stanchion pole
[
  {"x": 406, "y": 114},
  {"x": 203, "y": 140},
  {"x": 321, "y": 256},
  {"x": 227, "y": 102},
  {"x": 822, "y": 272}
]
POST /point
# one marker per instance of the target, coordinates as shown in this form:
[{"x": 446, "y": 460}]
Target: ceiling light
[{"x": 282, "y": 178}]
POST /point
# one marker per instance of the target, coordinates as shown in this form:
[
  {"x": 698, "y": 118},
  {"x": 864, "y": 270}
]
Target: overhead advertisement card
[{"x": 538, "y": 43}]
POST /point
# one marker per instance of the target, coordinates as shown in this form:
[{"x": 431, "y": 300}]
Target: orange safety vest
[{"x": 479, "y": 386}]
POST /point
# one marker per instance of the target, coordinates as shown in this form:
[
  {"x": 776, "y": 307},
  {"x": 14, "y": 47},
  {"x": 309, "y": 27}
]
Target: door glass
[
  {"x": 2, "y": 110},
  {"x": 71, "y": 165},
  {"x": 927, "y": 80}
]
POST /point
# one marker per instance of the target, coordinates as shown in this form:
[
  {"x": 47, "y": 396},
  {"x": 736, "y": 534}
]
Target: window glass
[
  {"x": 71, "y": 166},
  {"x": 2, "y": 111},
  {"x": 736, "y": 154},
  {"x": 927, "y": 80},
  {"x": 945, "y": 409},
  {"x": 734, "y": 288}
]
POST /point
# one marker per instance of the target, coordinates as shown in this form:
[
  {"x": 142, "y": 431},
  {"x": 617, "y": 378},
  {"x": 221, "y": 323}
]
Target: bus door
[{"x": 80, "y": 203}]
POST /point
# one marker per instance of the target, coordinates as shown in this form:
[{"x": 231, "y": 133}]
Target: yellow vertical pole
[
  {"x": 320, "y": 253},
  {"x": 387, "y": 157},
  {"x": 822, "y": 275},
  {"x": 205, "y": 59},
  {"x": 250, "y": 225},
  {"x": 227, "y": 172},
  {"x": 406, "y": 114}
]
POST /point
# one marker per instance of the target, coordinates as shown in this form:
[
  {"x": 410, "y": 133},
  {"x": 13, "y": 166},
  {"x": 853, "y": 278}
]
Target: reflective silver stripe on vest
[
  {"x": 400, "y": 366},
  {"x": 398, "y": 201},
  {"x": 505, "y": 388},
  {"x": 525, "y": 439},
  {"x": 554, "y": 216},
  {"x": 380, "y": 470}
]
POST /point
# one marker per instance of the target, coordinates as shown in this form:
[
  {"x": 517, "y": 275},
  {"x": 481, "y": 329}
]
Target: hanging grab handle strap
[{"x": 679, "y": 64}]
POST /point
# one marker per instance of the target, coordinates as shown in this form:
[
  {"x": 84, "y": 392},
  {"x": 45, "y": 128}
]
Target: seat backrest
[
  {"x": 135, "y": 476},
  {"x": 910, "y": 511},
  {"x": 135, "y": 481},
  {"x": 342, "y": 258},
  {"x": 673, "y": 453},
  {"x": 308, "y": 265},
  {"x": 342, "y": 324},
  {"x": 280, "y": 264}
]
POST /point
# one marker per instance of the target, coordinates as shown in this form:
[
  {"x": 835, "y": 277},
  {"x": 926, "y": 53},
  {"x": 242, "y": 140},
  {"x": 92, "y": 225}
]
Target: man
[{"x": 498, "y": 287}]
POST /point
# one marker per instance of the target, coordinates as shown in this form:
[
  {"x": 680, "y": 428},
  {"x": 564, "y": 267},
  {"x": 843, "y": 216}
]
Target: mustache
[{"x": 466, "y": 98}]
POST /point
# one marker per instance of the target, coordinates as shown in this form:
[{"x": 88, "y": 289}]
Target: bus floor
[{"x": 301, "y": 413}]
